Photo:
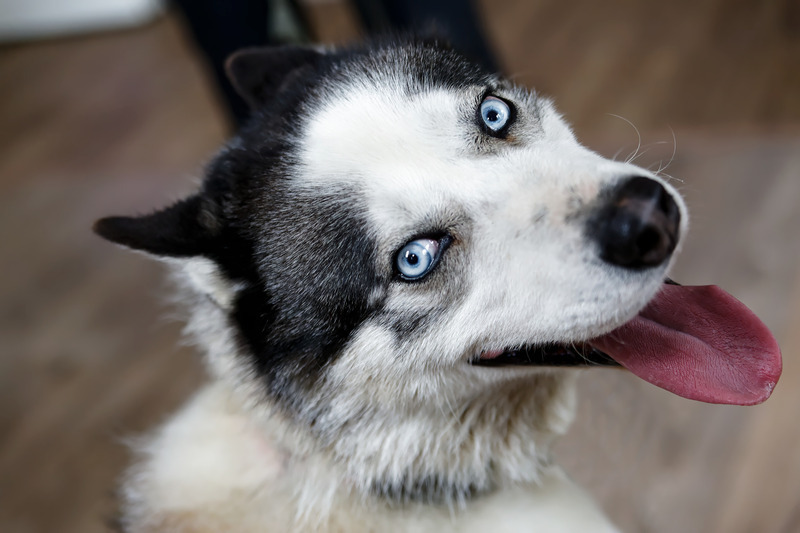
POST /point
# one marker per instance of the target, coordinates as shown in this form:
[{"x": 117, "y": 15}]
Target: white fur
[
  {"x": 212, "y": 469},
  {"x": 205, "y": 276}
]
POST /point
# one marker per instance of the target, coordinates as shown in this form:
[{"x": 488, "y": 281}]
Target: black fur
[
  {"x": 257, "y": 74},
  {"x": 432, "y": 489},
  {"x": 175, "y": 231},
  {"x": 319, "y": 268}
]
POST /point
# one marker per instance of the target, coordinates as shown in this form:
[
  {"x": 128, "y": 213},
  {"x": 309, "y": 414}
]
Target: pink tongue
[{"x": 700, "y": 343}]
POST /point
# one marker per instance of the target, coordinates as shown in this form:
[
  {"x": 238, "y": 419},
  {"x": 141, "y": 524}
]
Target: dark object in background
[
  {"x": 455, "y": 18},
  {"x": 220, "y": 27}
]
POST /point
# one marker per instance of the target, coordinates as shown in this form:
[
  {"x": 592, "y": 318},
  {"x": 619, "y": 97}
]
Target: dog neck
[{"x": 492, "y": 441}]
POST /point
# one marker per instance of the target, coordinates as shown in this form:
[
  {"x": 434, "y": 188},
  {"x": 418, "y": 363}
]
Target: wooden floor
[{"x": 122, "y": 122}]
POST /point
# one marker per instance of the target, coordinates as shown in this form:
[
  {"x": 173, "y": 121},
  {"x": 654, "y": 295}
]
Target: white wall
[{"x": 30, "y": 19}]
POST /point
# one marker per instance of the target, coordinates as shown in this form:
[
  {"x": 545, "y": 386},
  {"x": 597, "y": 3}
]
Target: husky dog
[{"x": 390, "y": 269}]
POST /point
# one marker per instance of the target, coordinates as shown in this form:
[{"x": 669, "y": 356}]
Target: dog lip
[
  {"x": 547, "y": 355},
  {"x": 550, "y": 354}
]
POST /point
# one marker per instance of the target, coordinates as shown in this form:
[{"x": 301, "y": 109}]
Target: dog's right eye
[{"x": 418, "y": 257}]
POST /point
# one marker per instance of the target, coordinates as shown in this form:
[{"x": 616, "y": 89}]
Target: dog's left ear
[
  {"x": 258, "y": 73},
  {"x": 184, "y": 229}
]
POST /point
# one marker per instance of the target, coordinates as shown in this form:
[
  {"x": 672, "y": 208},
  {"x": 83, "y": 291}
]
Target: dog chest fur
[{"x": 211, "y": 469}]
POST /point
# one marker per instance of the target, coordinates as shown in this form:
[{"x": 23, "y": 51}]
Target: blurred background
[{"x": 110, "y": 108}]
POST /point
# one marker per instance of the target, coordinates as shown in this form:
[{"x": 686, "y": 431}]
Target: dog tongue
[{"x": 700, "y": 343}]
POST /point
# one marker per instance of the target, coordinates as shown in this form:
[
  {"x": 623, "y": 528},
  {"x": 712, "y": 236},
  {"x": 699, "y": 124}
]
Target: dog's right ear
[
  {"x": 184, "y": 229},
  {"x": 257, "y": 73}
]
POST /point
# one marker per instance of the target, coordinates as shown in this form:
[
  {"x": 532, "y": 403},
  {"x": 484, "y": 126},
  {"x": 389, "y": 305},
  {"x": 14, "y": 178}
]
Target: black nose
[{"x": 638, "y": 226}]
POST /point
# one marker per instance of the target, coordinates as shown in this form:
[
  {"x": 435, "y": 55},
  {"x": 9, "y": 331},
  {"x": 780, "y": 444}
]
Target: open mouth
[
  {"x": 578, "y": 354},
  {"x": 697, "y": 342}
]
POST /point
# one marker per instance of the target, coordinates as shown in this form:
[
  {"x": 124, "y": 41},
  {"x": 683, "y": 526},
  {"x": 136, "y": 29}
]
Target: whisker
[
  {"x": 674, "y": 149},
  {"x": 581, "y": 353},
  {"x": 646, "y": 149},
  {"x": 662, "y": 168},
  {"x": 638, "y": 135}
]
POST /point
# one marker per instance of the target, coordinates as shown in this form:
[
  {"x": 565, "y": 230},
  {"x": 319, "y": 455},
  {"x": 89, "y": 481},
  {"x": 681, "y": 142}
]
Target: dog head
[{"x": 397, "y": 250}]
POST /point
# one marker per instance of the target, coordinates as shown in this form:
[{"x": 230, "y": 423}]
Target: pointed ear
[
  {"x": 181, "y": 230},
  {"x": 257, "y": 73}
]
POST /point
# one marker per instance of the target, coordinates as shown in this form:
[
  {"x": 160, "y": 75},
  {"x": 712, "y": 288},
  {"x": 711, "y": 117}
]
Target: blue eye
[
  {"x": 495, "y": 113},
  {"x": 417, "y": 258}
]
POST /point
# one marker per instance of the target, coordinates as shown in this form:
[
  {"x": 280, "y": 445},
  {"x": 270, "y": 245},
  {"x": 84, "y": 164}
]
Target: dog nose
[{"x": 638, "y": 228}]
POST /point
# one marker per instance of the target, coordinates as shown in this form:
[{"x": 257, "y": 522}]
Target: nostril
[{"x": 637, "y": 227}]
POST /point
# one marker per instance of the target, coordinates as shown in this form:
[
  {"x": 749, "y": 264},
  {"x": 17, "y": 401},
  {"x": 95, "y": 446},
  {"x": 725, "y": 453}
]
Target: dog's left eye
[
  {"x": 417, "y": 258},
  {"x": 495, "y": 114}
]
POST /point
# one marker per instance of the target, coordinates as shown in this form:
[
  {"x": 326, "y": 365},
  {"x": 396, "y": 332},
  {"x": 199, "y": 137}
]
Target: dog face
[
  {"x": 395, "y": 232},
  {"x": 513, "y": 264}
]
